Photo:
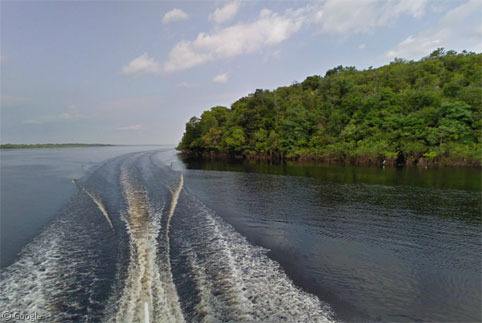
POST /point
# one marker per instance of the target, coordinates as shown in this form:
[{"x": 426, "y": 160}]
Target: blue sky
[{"x": 134, "y": 72}]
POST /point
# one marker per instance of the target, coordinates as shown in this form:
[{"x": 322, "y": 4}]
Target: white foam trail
[
  {"x": 57, "y": 270},
  {"x": 99, "y": 203},
  {"x": 235, "y": 280},
  {"x": 146, "y": 312},
  {"x": 147, "y": 295},
  {"x": 174, "y": 199},
  {"x": 166, "y": 259}
]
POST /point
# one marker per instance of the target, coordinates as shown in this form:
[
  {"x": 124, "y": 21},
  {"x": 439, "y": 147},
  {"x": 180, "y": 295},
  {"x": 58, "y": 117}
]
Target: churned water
[{"x": 140, "y": 235}]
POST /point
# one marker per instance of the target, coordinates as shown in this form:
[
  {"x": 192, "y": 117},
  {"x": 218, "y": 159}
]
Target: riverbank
[
  {"x": 399, "y": 161},
  {"x": 402, "y": 114}
]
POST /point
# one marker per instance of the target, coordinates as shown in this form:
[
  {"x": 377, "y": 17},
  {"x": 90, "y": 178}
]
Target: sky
[{"x": 134, "y": 72}]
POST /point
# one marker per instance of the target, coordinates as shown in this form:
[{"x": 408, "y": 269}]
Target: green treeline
[
  {"x": 21, "y": 146},
  {"x": 406, "y": 112}
]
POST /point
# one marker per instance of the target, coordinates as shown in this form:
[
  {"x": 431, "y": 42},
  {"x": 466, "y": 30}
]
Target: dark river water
[{"x": 142, "y": 235}]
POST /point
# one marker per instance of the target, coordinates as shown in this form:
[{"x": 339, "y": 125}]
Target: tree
[{"x": 431, "y": 109}]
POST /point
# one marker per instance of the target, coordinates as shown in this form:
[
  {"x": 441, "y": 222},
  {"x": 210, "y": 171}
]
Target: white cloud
[
  {"x": 362, "y": 46},
  {"x": 268, "y": 29},
  {"x": 185, "y": 85},
  {"x": 271, "y": 28},
  {"x": 225, "y": 13},
  {"x": 72, "y": 114},
  {"x": 459, "y": 13},
  {"x": 360, "y": 16},
  {"x": 450, "y": 33},
  {"x": 131, "y": 127},
  {"x": 174, "y": 15},
  {"x": 141, "y": 65},
  {"x": 221, "y": 78},
  {"x": 184, "y": 56}
]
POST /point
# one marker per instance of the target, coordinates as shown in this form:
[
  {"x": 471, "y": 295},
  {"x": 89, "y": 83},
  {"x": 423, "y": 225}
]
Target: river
[{"x": 133, "y": 233}]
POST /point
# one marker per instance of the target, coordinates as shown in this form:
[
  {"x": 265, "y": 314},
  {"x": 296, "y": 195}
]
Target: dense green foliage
[
  {"x": 429, "y": 109},
  {"x": 20, "y": 146}
]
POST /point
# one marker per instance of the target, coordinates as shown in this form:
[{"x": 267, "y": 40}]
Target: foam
[
  {"x": 235, "y": 280},
  {"x": 56, "y": 272},
  {"x": 232, "y": 280},
  {"x": 144, "y": 283},
  {"x": 97, "y": 202}
]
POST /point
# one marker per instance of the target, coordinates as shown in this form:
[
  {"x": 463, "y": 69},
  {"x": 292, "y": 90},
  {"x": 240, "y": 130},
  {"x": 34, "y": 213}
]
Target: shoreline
[
  {"x": 400, "y": 161},
  {"x": 39, "y": 146}
]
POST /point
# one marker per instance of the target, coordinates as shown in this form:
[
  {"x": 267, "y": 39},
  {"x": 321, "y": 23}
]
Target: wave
[
  {"x": 97, "y": 202},
  {"x": 58, "y": 274},
  {"x": 234, "y": 280},
  {"x": 175, "y": 199},
  {"x": 145, "y": 286},
  {"x": 172, "y": 260}
]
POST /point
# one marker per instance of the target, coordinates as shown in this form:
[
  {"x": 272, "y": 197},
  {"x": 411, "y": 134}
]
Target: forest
[{"x": 425, "y": 113}]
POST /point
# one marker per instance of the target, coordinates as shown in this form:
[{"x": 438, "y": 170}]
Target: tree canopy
[{"x": 428, "y": 109}]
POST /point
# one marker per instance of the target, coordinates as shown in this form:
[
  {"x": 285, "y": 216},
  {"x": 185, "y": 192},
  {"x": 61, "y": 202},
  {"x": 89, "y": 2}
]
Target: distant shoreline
[{"x": 25, "y": 146}]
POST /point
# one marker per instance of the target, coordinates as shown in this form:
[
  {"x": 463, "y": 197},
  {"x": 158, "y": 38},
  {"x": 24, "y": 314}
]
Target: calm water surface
[
  {"x": 220, "y": 241},
  {"x": 376, "y": 244}
]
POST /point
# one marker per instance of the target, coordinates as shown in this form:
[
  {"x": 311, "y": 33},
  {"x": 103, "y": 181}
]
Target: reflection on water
[
  {"x": 378, "y": 244},
  {"x": 449, "y": 177}
]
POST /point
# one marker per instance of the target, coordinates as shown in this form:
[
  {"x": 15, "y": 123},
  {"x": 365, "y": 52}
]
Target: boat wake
[
  {"x": 146, "y": 291},
  {"x": 234, "y": 280},
  {"x": 97, "y": 202},
  {"x": 169, "y": 259}
]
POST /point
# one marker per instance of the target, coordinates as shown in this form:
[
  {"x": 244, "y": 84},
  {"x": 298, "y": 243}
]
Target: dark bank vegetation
[
  {"x": 425, "y": 112},
  {"x": 21, "y": 146}
]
